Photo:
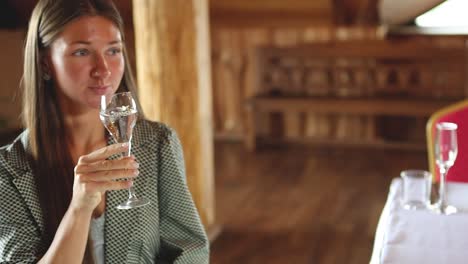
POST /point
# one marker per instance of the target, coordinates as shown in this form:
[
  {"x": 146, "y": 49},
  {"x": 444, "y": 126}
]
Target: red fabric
[{"x": 459, "y": 171}]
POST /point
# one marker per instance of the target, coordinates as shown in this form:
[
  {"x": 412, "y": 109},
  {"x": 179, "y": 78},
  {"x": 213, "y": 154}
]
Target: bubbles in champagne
[{"x": 119, "y": 121}]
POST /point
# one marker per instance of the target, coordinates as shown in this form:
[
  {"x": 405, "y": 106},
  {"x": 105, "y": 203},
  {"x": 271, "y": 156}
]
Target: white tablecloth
[{"x": 421, "y": 236}]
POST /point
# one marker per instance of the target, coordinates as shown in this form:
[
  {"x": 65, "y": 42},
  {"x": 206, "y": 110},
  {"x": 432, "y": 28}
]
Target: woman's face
[{"x": 85, "y": 62}]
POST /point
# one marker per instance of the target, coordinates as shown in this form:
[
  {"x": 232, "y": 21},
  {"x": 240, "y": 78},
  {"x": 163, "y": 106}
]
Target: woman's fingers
[
  {"x": 95, "y": 167},
  {"x": 94, "y": 175},
  {"x": 108, "y": 186},
  {"x": 116, "y": 185},
  {"x": 108, "y": 175},
  {"x": 106, "y": 165},
  {"x": 103, "y": 153}
]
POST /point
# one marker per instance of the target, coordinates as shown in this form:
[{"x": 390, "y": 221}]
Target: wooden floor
[{"x": 302, "y": 205}]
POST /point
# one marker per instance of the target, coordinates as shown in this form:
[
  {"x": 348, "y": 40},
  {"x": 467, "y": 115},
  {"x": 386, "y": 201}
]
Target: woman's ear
[{"x": 46, "y": 70}]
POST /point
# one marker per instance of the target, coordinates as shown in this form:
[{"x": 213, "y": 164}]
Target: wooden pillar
[{"x": 172, "y": 51}]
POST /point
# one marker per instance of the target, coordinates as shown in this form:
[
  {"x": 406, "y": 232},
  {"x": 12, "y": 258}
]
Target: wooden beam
[
  {"x": 174, "y": 81},
  {"x": 272, "y": 5},
  {"x": 254, "y": 18},
  {"x": 270, "y": 13},
  {"x": 370, "y": 106}
]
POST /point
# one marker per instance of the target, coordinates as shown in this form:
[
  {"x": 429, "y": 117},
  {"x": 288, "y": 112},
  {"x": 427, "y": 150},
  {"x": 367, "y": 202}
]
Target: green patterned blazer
[{"x": 166, "y": 231}]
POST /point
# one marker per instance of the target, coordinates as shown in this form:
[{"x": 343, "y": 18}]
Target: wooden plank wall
[
  {"x": 233, "y": 69},
  {"x": 11, "y": 71},
  {"x": 238, "y": 28}
]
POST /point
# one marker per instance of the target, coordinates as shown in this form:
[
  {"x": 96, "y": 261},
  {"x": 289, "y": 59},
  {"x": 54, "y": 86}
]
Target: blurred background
[{"x": 314, "y": 106}]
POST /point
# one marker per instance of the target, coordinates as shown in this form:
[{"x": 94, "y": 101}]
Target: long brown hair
[{"x": 52, "y": 161}]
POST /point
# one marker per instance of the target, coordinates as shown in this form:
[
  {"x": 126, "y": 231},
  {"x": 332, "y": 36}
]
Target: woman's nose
[{"x": 101, "y": 69}]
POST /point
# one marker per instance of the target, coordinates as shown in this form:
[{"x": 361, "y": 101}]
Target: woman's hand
[{"x": 95, "y": 175}]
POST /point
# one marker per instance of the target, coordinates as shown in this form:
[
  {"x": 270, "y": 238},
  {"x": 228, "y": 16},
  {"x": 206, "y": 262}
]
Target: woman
[{"x": 58, "y": 177}]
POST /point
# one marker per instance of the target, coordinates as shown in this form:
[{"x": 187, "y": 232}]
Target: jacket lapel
[
  {"x": 17, "y": 165},
  {"x": 25, "y": 185}
]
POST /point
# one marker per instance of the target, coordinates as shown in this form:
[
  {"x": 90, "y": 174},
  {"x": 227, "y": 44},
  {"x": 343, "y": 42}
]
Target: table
[{"x": 421, "y": 236}]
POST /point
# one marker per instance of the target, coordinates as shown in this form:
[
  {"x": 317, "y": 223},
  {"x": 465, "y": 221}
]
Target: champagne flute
[
  {"x": 446, "y": 150},
  {"x": 119, "y": 115}
]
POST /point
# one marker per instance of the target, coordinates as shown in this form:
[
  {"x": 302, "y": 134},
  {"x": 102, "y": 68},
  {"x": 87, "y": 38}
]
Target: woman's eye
[
  {"x": 114, "y": 51},
  {"x": 81, "y": 52}
]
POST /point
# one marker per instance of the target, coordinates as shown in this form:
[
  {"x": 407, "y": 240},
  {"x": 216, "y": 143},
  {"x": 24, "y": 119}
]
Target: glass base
[
  {"x": 133, "y": 203},
  {"x": 445, "y": 210}
]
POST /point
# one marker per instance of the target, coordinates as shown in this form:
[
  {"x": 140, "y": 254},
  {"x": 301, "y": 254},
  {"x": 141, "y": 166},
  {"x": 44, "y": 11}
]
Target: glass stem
[
  {"x": 131, "y": 194},
  {"x": 442, "y": 198},
  {"x": 131, "y": 190}
]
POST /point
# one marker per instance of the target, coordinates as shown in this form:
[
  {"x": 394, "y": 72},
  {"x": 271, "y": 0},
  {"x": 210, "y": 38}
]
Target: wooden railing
[{"x": 343, "y": 81}]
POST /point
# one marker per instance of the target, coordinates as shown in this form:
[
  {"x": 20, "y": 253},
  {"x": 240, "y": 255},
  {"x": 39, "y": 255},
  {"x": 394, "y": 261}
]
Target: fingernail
[
  {"x": 130, "y": 183},
  {"x": 124, "y": 145}
]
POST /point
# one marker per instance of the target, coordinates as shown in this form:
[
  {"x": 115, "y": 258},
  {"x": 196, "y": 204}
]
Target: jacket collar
[{"x": 16, "y": 153}]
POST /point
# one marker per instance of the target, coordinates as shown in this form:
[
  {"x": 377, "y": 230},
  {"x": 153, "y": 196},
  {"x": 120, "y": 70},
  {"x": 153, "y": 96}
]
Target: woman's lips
[{"x": 100, "y": 90}]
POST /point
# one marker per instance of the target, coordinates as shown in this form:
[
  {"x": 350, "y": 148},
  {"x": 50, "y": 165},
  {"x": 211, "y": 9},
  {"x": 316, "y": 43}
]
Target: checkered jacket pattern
[{"x": 166, "y": 231}]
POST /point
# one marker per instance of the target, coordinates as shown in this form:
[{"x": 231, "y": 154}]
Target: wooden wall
[
  {"x": 238, "y": 27},
  {"x": 10, "y": 75},
  {"x": 233, "y": 69},
  {"x": 266, "y": 13}
]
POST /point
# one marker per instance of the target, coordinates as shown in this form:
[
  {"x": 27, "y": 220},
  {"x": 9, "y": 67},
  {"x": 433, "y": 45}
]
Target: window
[{"x": 451, "y": 13}]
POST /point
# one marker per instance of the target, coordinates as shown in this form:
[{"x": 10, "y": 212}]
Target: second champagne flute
[{"x": 446, "y": 150}]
